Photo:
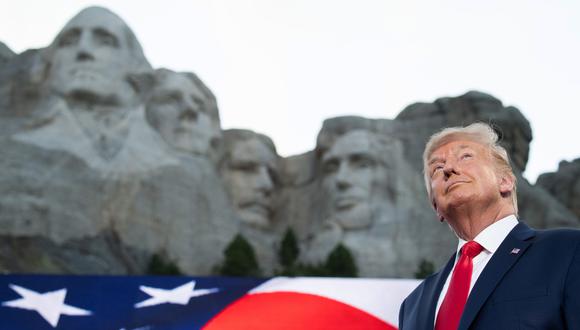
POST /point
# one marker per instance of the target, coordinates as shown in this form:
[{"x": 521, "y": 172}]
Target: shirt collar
[{"x": 492, "y": 236}]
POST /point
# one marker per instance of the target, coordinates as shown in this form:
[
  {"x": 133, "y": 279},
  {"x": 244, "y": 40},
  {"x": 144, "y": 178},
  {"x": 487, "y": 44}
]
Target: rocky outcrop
[
  {"x": 564, "y": 184},
  {"x": 5, "y": 54}
]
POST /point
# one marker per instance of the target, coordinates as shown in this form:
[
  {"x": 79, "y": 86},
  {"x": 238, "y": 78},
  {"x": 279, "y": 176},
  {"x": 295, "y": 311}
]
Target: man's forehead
[
  {"x": 352, "y": 143},
  {"x": 252, "y": 150},
  {"x": 453, "y": 147},
  {"x": 97, "y": 18},
  {"x": 179, "y": 82}
]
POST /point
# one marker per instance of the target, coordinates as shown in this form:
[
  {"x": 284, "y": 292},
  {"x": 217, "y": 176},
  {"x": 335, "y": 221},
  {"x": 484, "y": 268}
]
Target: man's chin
[
  {"x": 256, "y": 219},
  {"x": 454, "y": 202},
  {"x": 359, "y": 216}
]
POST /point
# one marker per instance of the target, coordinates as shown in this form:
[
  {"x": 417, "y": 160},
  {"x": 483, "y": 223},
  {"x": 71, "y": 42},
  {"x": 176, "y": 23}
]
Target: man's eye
[
  {"x": 466, "y": 156},
  {"x": 436, "y": 169},
  {"x": 362, "y": 161},
  {"x": 167, "y": 98},
  {"x": 245, "y": 166},
  {"x": 106, "y": 39},
  {"x": 69, "y": 38},
  {"x": 330, "y": 167}
]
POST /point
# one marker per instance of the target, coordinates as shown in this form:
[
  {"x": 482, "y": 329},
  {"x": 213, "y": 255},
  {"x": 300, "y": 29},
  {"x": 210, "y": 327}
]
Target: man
[
  {"x": 95, "y": 101},
  {"x": 504, "y": 275},
  {"x": 357, "y": 204},
  {"x": 184, "y": 112},
  {"x": 249, "y": 169},
  {"x": 89, "y": 71},
  {"x": 355, "y": 179},
  {"x": 92, "y": 58}
]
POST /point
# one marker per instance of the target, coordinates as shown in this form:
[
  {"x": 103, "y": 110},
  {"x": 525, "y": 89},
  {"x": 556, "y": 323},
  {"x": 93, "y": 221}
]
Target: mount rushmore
[{"x": 107, "y": 161}]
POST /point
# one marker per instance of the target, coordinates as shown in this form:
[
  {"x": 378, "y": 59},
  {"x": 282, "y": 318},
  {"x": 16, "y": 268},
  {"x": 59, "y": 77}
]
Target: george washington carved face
[{"x": 92, "y": 57}]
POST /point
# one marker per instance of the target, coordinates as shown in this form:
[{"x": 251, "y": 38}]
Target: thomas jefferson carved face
[
  {"x": 353, "y": 175},
  {"x": 91, "y": 58},
  {"x": 180, "y": 112},
  {"x": 250, "y": 177}
]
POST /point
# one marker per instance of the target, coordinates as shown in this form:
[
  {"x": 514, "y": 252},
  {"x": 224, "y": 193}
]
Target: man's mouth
[
  {"x": 453, "y": 185},
  {"x": 85, "y": 73},
  {"x": 347, "y": 202},
  {"x": 257, "y": 207}
]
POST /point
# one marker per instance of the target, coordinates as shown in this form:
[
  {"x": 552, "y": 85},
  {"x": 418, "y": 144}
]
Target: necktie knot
[{"x": 471, "y": 249}]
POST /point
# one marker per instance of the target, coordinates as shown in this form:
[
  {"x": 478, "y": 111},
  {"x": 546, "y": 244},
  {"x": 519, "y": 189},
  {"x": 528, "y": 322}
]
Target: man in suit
[{"x": 504, "y": 274}]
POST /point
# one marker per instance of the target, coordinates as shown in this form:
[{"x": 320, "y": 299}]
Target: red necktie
[{"x": 456, "y": 296}]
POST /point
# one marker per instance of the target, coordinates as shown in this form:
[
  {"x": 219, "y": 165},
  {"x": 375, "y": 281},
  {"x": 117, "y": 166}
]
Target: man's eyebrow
[{"x": 435, "y": 160}]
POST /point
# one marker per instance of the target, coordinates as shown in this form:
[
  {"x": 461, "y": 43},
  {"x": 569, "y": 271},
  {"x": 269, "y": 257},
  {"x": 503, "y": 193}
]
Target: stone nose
[
  {"x": 84, "y": 52},
  {"x": 343, "y": 176},
  {"x": 264, "y": 181}
]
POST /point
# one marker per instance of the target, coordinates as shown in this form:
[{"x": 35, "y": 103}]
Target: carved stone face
[
  {"x": 352, "y": 177},
  {"x": 250, "y": 180},
  {"x": 90, "y": 58},
  {"x": 176, "y": 109}
]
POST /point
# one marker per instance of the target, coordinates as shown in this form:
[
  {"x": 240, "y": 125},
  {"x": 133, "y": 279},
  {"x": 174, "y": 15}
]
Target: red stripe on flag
[{"x": 291, "y": 310}]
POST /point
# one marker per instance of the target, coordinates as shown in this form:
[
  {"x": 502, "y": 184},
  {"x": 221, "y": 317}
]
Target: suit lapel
[
  {"x": 431, "y": 296},
  {"x": 499, "y": 264}
]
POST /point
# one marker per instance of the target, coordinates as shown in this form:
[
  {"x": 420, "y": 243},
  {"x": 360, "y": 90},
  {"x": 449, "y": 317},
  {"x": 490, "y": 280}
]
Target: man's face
[
  {"x": 177, "y": 110},
  {"x": 463, "y": 173},
  {"x": 91, "y": 57},
  {"x": 352, "y": 174},
  {"x": 250, "y": 177}
]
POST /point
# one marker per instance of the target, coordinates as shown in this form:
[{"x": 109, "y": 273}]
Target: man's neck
[{"x": 468, "y": 221}]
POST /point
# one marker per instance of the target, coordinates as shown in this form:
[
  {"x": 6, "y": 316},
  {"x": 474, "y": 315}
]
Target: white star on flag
[
  {"x": 49, "y": 305},
  {"x": 179, "y": 295}
]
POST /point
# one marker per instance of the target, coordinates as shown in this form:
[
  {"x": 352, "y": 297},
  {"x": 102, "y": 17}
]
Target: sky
[{"x": 280, "y": 67}]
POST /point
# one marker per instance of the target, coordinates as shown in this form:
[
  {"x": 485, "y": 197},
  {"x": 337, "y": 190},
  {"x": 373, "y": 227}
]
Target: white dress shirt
[{"x": 490, "y": 239}]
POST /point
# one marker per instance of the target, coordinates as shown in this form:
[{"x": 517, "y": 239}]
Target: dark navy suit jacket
[{"x": 536, "y": 288}]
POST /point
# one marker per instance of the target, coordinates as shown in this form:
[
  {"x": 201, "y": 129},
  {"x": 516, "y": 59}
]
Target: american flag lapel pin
[{"x": 515, "y": 251}]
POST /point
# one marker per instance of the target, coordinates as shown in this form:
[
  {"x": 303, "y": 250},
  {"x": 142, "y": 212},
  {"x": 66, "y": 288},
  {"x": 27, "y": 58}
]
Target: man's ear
[
  {"x": 439, "y": 216},
  {"x": 506, "y": 184}
]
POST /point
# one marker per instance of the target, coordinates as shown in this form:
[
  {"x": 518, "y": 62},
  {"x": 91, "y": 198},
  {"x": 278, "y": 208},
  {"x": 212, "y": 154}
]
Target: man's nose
[
  {"x": 264, "y": 181},
  {"x": 450, "y": 168},
  {"x": 190, "y": 108},
  {"x": 343, "y": 176},
  {"x": 84, "y": 52}
]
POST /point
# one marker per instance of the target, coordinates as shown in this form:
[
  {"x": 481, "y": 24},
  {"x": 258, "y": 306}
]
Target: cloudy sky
[{"x": 280, "y": 67}]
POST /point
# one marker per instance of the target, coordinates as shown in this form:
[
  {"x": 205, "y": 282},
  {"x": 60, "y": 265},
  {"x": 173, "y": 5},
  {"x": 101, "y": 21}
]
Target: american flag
[{"x": 209, "y": 303}]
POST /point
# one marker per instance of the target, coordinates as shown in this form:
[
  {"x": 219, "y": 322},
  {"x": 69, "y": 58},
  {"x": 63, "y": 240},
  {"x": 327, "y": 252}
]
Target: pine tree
[
  {"x": 340, "y": 262},
  {"x": 240, "y": 259},
  {"x": 289, "y": 250},
  {"x": 426, "y": 268},
  {"x": 158, "y": 266}
]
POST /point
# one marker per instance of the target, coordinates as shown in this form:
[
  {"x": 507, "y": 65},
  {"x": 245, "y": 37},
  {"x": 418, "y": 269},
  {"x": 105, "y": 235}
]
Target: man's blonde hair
[{"x": 479, "y": 133}]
